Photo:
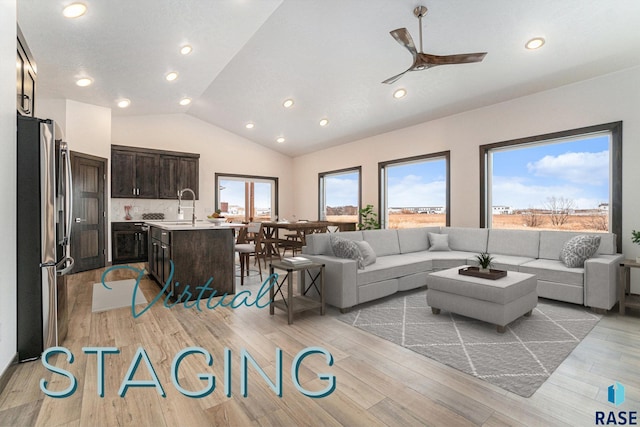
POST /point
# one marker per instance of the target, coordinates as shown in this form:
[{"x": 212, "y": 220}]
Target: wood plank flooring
[{"x": 378, "y": 383}]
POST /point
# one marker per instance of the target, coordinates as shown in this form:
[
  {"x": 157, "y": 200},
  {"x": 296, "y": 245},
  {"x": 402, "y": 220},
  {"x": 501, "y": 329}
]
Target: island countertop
[{"x": 186, "y": 225}]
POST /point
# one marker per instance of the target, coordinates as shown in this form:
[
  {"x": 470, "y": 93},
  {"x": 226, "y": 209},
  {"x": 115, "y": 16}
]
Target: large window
[
  {"x": 339, "y": 195},
  {"x": 563, "y": 181},
  {"x": 414, "y": 192},
  {"x": 247, "y": 198}
]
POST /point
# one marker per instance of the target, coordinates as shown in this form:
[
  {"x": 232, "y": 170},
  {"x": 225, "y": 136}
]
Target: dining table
[{"x": 271, "y": 229}]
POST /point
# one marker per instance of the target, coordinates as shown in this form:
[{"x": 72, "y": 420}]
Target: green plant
[
  {"x": 635, "y": 237},
  {"x": 484, "y": 259},
  {"x": 368, "y": 219}
]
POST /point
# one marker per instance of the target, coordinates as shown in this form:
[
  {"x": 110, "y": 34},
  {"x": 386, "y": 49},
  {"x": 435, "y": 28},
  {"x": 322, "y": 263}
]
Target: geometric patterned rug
[{"x": 520, "y": 360}]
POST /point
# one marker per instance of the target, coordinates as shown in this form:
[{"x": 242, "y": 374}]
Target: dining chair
[{"x": 245, "y": 248}]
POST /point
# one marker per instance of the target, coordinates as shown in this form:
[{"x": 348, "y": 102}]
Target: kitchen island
[{"x": 183, "y": 257}]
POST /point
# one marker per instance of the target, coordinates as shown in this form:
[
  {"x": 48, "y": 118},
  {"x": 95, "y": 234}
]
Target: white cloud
[
  {"x": 578, "y": 168},
  {"x": 342, "y": 192},
  {"x": 518, "y": 193},
  {"x": 411, "y": 191}
]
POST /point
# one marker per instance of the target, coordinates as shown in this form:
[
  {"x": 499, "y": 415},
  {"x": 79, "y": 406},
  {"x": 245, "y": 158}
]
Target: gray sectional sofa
[{"x": 403, "y": 261}]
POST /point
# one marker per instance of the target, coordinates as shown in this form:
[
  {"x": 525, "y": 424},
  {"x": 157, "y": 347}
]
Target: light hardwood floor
[{"x": 378, "y": 383}]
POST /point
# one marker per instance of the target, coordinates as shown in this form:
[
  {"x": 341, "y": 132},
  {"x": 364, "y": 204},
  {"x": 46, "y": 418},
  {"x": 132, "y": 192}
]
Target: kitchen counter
[{"x": 186, "y": 225}]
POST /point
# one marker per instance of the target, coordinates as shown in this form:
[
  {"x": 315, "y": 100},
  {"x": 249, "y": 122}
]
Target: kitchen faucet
[{"x": 193, "y": 208}]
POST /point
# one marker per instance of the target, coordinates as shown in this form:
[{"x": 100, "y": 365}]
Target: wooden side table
[
  {"x": 624, "y": 288},
  {"x": 295, "y": 304}
]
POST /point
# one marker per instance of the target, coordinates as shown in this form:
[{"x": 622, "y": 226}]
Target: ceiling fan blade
[
  {"x": 396, "y": 77},
  {"x": 403, "y": 37},
  {"x": 463, "y": 58}
]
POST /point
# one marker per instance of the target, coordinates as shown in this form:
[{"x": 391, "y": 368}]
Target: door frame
[{"x": 105, "y": 224}]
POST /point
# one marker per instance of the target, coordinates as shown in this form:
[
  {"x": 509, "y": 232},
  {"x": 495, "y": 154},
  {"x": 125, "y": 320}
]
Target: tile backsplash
[{"x": 140, "y": 206}]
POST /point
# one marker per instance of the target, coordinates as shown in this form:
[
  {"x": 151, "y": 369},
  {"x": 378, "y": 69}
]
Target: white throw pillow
[
  {"x": 438, "y": 242},
  {"x": 368, "y": 255}
]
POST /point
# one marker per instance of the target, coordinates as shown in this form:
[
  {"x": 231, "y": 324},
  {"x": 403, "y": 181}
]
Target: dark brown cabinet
[
  {"x": 129, "y": 242},
  {"x": 196, "y": 256},
  {"x": 134, "y": 174},
  {"x": 176, "y": 173},
  {"x": 25, "y": 78},
  {"x": 152, "y": 174}
]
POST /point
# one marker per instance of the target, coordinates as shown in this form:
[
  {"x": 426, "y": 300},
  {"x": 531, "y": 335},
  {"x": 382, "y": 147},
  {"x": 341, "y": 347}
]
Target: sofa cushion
[
  {"x": 383, "y": 242},
  {"x": 509, "y": 262},
  {"x": 344, "y": 248},
  {"x": 552, "y": 242},
  {"x": 438, "y": 242},
  {"x": 467, "y": 239},
  {"x": 522, "y": 243},
  {"x": 319, "y": 243},
  {"x": 553, "y": 270},
  {"x": 578, "y": 249},
  {"x": 368, "y": 255},
  {"x": 392, "y": 267},
  {"x": 415, "y": 239}
]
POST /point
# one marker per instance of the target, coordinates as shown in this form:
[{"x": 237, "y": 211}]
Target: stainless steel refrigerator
[{"x": 43, "y": 231}]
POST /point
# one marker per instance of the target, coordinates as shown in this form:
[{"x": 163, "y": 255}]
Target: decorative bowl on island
[{"x": 216, "y": 220}]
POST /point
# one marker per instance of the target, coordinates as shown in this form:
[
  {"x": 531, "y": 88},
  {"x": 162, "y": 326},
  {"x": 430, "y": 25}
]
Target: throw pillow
[
  {"x": 368, "y": 255},
  {"x": 438, "y": 242},
  {"x": 578, "y": 249},
  {"x": 344, "y": 248}
]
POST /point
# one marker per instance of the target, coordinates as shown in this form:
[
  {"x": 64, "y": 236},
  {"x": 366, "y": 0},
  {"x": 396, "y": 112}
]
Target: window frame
[
  {"x": 382, "y": 181},
  {"x": 323, "y": 175},
  {"x": 615, "y": 202},
  {"x": 218, "y": 176}
]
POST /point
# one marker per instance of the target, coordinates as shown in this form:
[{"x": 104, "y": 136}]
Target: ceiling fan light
[
  {"x": 74, "y": 10},
  {"x": 124, "y": 103},
  {"x": 288, "y": 103},
  {"x": 84, "y": 81},
  {"x": 400, "y": 93},
  {"x": 535, "y": 43},
  {"x": 323, "y": 122},
  {"x": 186, "y": 49}
]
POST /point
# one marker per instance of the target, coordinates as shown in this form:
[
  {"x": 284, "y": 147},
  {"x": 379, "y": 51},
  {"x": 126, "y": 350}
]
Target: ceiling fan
[{"x": 422, "y": 61}]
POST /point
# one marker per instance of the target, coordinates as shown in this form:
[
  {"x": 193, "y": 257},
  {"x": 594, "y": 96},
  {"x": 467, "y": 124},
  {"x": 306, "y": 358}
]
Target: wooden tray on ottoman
[{"x": 475, "y": 272}]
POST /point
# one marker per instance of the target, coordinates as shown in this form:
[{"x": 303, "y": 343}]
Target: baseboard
[{"x": 6, "y": 375}]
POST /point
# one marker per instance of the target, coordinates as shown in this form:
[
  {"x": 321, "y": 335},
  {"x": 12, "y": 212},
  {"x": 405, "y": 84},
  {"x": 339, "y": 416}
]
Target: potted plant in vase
[
  {"x": 635, "y": 238},
  {"x": 484, "y": 260}
]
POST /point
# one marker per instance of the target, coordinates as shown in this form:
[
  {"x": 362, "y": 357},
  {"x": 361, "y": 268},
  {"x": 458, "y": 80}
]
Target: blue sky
[
  {"x": 576, "y": 170},
  {"x": 417, "y": 184}
]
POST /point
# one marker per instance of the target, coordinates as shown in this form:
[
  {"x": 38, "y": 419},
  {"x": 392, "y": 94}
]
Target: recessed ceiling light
[
  {"x": 288, "y": 103},
  {"x": 324, "y": 122},
  {"x": 185, "y": 101},
  {"x": 249, "y": 125},
  {"x": 534, "y": 43},
  {"x": 84, "y": 81},
  {"x": 124, "y": 103},
  {"x": 74, "y": 10},
  {"x": 399, "y": 93},
  {"x": 280, "y": 140},
  {"x": 186, "y": 49},
  {"x": 171, "y": 76}
]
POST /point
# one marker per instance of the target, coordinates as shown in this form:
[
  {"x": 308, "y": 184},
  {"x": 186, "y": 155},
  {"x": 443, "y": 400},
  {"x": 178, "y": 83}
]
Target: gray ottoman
[{"x": 498, "y": 301}]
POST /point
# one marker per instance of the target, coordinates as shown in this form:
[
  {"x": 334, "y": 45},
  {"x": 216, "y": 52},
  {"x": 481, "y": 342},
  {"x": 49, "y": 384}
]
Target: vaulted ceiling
[{"x": 329, "y": 56}]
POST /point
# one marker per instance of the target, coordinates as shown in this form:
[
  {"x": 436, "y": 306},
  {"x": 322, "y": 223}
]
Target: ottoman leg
[
  {"x": 501, "y": 329},
  {"x": 528, "y": 313},
  {"x": 435, "y": 310}
]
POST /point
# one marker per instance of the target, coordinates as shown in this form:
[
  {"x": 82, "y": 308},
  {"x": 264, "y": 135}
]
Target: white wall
[
  {"x": 605, "y": 99},
  {"x": 8, "y": 339},
  {"x": 220, "y": 152}
]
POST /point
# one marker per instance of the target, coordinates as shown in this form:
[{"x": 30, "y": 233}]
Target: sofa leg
[
  {"x": 345, "y": 310},
  {"x": 435, "y": 310},
  {"x": 528, "y": 313},
  {"x": 598, "y": 310},
  {"x": 501, "y": 329}
]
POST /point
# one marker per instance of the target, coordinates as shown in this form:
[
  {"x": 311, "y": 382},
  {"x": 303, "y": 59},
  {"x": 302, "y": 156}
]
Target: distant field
[{"x": 586, "y": 223}]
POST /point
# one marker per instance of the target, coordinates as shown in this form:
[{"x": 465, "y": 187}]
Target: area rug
[
  {"x": 520, "y": 360},
  {"x": 119, "y": 295}
]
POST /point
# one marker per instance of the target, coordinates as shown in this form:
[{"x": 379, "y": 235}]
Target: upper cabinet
[
  {"x": 25, "y": 77},
  {"x": 152, "y": 174}
]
